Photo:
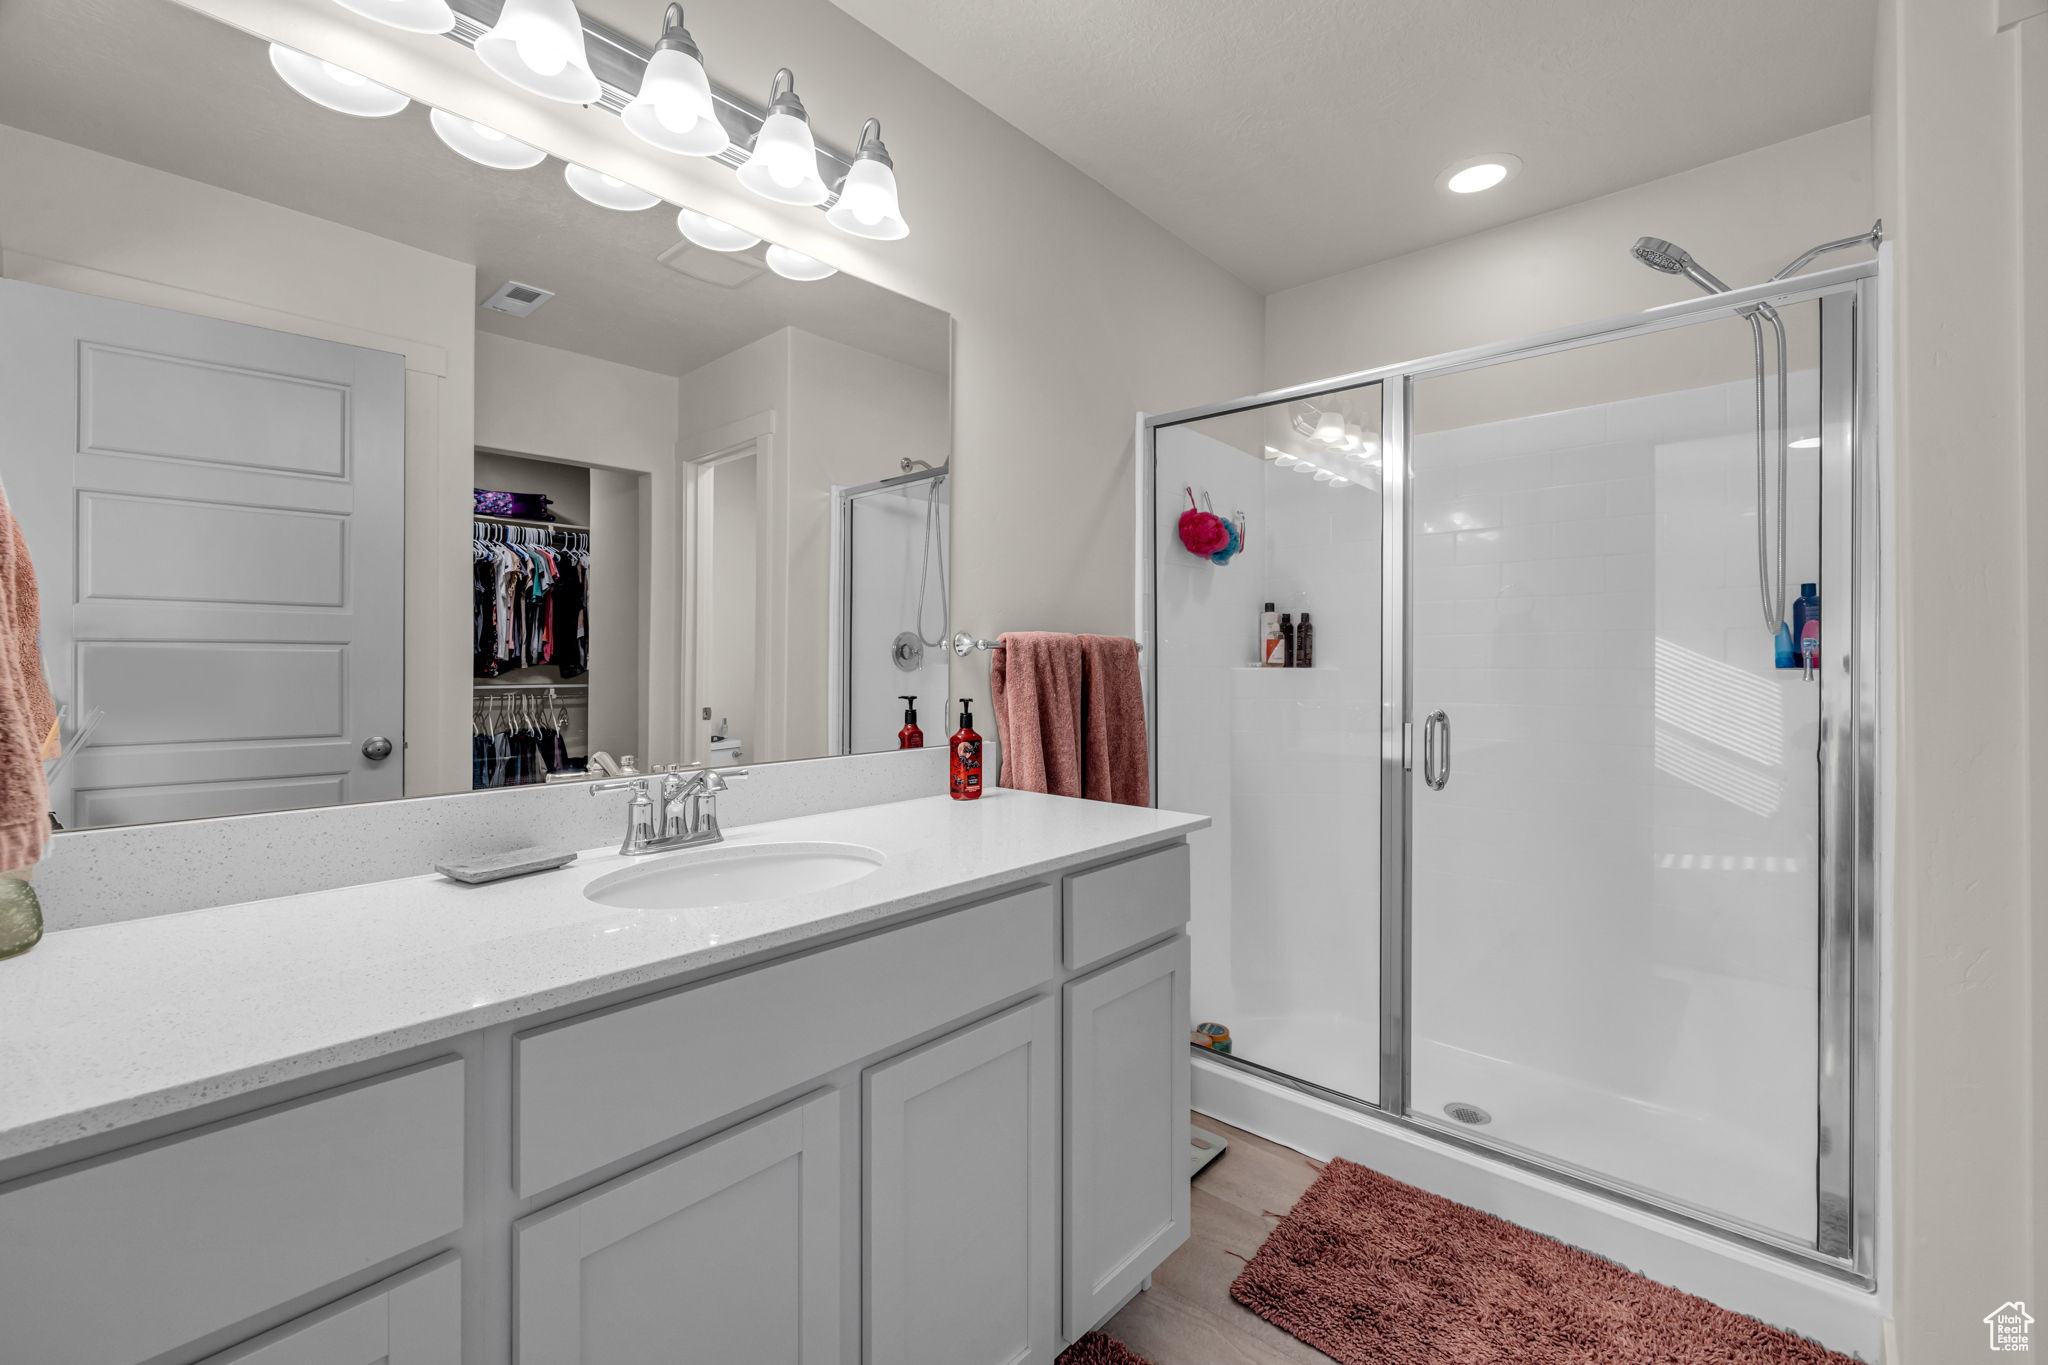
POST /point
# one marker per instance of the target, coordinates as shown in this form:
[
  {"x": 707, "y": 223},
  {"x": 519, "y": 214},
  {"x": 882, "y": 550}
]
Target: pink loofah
[{"x": 1202, "y": 532}]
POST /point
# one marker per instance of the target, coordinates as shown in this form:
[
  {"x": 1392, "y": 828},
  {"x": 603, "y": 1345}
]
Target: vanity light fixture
[
  {"x": 673, "y": 110},
  {"x": 867, "y": 205},
  {"x": 538, "y": 46},
  {"x": 1479, "y": 173},
  {"x": 335, "y": 87},
  {"x": 794, "y": 265},
  {"x": 414, "y": 16},
  {"x": 713, "y": 234},
  {"x": 783, "y": 165},
  {"x": 608, "y": 191},
  {"x": 1283, "y": 459},
  {"x": 1329, "y": 428},
  {"x": 483, "y": 144}
]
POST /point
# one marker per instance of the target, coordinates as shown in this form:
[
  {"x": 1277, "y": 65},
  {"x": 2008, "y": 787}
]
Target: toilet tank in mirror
[{"x": 375, "y": 454}]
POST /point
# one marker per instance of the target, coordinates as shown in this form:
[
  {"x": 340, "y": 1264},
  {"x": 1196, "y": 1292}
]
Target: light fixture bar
[{"x": 618, "y": 63}]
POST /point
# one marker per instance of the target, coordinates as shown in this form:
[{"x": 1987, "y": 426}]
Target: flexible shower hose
[{"x": 1773, "y": 600}]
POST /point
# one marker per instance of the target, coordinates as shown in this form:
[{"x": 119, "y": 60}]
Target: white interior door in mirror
[{"x": 216, "y": 514}]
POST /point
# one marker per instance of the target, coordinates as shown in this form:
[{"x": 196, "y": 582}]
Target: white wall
[
  {"x": 1962, "y": 160},
  {"x": 131, "y": 232},
  {"x": 1742, "y": 218},
  {"x": 621, "y": 423},
  {"x": 1072, "y": 309}
]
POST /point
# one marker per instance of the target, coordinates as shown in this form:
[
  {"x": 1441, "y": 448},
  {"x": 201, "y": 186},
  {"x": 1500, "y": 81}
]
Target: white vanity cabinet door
[
  {"x": 410, "y": 1319},
  {"x": 729, "y": 1250},
  {"x": 963, "y": 1197},
  {"x": 1127, "y": 1083}
]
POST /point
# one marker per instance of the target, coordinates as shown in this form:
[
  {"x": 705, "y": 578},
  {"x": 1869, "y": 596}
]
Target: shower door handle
[{"x": 1436, "y": 750}]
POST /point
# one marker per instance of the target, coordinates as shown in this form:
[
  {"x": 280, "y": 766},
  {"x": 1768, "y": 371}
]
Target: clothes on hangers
[
  {"x": 530, "y": 599},
  {"x": 517, "y": 742}
]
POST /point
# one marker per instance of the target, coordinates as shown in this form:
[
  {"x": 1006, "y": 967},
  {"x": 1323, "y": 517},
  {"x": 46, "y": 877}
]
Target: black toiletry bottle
[
  {"x": 1304, "y": 644},
  {"x": 1286, "y": 639},
  {"x": 909, "y": 737}
]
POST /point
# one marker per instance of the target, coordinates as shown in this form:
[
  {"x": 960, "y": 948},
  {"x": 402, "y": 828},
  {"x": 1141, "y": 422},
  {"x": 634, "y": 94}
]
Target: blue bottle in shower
[
  {"x": 1787, "y": 652},
  {"x": 1806, "y": 625}
]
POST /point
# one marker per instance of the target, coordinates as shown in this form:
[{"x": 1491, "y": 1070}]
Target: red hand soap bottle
[
  {"x": 909, "y": 737},
  {"x": 966, "y": 756}
]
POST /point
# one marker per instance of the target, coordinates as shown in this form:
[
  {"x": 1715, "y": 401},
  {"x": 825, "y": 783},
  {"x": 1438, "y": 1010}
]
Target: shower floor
[{"x": 1713, "y": 1164}]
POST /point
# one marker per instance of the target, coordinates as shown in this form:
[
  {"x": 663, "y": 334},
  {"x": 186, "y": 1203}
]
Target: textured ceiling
[
  {"x": 117, "y": 76},
  {"x": 1292, "y": 139}
]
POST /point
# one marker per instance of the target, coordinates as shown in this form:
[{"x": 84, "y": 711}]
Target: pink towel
[
  {"x": 28, "y": 718},
  {"x": 1113, "y": 761},
  {"x": 1070, "y": 716},
  {"x": 1035, "y": 680}
]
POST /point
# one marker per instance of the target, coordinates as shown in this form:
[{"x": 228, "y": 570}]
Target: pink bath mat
[
  {"x": 1097, "y": 1349},
  {"x": 1373, "y": 1272}
]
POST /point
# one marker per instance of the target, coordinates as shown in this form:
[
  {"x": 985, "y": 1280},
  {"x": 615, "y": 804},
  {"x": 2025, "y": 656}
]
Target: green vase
[{"x": 21, "y": 916}]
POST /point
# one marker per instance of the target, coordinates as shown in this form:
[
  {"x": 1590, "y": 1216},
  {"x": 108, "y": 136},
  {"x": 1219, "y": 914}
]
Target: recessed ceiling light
[
  {"x": 1810, "y": 443},
  {"x": 1474, "y": 174}
]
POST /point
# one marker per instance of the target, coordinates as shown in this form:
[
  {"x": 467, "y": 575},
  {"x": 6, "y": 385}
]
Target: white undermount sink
[{"x": 702, "y": 879}]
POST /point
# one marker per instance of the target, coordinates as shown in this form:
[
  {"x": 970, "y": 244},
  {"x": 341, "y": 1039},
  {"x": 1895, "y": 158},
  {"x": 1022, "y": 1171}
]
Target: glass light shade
[
  {"x": 1286, "y": 461},
  {"x": 336, "y": 87},
  {"x": 483, "y": 144},
  {"x": 414, "y": 16},
  {"x": 1304, "y": 468},
  {"x": 713, "y": 234},
  {"x": 1330, "y": 427},
  {"x": 673, "y": 110},
  {"x": 1324, "y": 476},
  {"x": 784, "y": 163},
  {"x": 867, "y": 204},
  {"x": 794, "y": 265},
  {"x": 608, "y": 191},
  {"x": 1339, "y": 481},
  {"x": 538, "y": 46}
]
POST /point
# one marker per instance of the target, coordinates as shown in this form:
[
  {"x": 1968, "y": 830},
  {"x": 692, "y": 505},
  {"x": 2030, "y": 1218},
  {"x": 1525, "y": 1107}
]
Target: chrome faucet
[{"x": 688, "y": 814}]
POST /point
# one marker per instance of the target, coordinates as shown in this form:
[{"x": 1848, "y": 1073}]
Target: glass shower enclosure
[{"x": 1549, "y": 852}]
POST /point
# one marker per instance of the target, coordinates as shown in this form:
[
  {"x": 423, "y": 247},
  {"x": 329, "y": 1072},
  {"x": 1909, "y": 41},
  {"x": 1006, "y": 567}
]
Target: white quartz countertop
[{"x": 105, "y": 1026}]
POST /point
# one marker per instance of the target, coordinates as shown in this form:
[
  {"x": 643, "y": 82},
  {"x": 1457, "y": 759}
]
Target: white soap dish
[{"x": 517, "y": 862}]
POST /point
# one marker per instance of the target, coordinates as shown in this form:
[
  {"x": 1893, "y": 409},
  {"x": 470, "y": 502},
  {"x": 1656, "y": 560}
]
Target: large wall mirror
[{"x": 353, "y": 467}]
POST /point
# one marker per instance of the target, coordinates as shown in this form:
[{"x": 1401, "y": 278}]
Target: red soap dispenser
[
  {"x": 966, "y": 756},
  {"x": 909, "y": 737}
]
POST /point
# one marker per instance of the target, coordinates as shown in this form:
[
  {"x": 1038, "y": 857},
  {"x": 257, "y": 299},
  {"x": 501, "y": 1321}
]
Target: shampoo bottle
[
  {"x": 1806, "y": 626},
  {"x": 1286, "y": 639},
  {"x": 909, "y": 737},
  {"x": 1304, "y": 644},
  {"x": 1269, "y": 638},
  {"x": 966, "y": 756}
]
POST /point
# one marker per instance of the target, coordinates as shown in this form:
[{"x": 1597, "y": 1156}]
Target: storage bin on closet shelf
[{"x": 1202, "y": 532}]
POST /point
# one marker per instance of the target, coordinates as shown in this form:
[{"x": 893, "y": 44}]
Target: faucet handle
[
  {"x": 716, "y": 780},
  {"x": 613, "y": 784}
]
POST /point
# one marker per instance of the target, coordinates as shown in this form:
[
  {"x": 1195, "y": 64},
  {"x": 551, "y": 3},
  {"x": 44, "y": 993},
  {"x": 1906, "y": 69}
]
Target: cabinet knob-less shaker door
[
  {"x": 962, "y": 1197},
  {"x": 728, "y": 1250},
  {"x": 1127, "y": 1128},
  {"x": 410, "y": 1319}
]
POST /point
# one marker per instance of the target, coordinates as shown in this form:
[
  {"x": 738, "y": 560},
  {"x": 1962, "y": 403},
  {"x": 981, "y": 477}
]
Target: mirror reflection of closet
[{"x": 592, "y": 683}]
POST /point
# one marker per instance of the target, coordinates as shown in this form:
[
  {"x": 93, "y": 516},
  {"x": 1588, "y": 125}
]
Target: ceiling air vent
[{"x": 517, "y": 299}]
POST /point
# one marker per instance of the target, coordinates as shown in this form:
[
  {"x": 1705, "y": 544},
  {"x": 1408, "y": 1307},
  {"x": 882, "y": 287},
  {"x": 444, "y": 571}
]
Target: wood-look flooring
[{"x": 1187, "y": 1317}]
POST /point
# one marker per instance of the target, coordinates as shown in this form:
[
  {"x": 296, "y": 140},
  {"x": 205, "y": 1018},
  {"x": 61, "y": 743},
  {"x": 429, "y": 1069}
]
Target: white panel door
[
  {"x": 410, "y": 1319},
  {"x": 962, "y": 1196},
  {"x": 728, "y": 1250},
  {"x": 216, "y": 514},
  {"x": 1127, "y": 1128}
]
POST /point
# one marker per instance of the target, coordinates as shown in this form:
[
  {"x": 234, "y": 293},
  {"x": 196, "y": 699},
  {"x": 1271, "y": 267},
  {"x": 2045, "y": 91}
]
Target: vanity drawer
[
  {"x": 118, "y": 1259},
  {"x": 1109, "y": 910},
  {"x": 590, "y": 1091}
]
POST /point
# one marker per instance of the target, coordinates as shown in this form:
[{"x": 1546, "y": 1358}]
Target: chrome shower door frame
[
  {"x": 1847, "y": 1062},
  {"x": 840, "y": 662}
]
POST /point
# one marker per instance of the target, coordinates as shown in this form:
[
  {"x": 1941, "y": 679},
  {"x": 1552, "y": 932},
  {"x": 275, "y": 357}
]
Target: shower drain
[{"x": 1467, "y": 1113}]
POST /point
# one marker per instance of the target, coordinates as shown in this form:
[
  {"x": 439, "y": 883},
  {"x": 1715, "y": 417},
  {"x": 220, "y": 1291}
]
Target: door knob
[{"x": 376, "y": 747}]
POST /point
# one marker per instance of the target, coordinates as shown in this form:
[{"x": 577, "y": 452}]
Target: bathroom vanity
[{"x": 936, "y": 1113}]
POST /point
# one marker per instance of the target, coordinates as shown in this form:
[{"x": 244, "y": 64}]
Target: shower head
[{"x": 1674, "y": 259}]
